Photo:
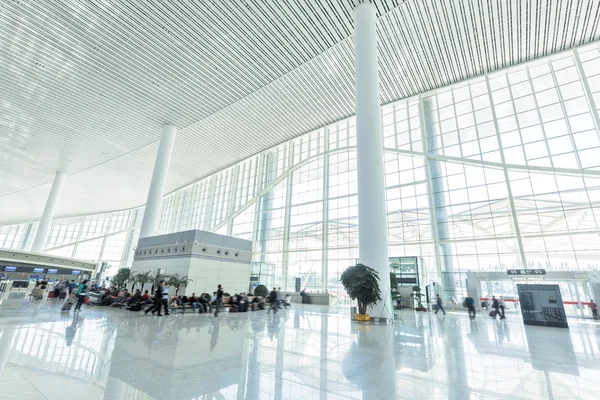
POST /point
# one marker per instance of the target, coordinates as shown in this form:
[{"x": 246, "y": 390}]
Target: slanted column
[
  {"x": 448, "y": 276},
  {"x": 159, "y": 181},
  {"x": 372, "y": 215},
  {"x": 39, "y": 242}
]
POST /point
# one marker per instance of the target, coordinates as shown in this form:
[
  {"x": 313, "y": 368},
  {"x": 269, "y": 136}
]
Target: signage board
[
  {"x": 526, "y": 271},
  {"x": 10, "y": 269},
  {"x": 52, "y": 271},
  {"x": 75, "y": 272},
  {"x": 38, "y": 270}
]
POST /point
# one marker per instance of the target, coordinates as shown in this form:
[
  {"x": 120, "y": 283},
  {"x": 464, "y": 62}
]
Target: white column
[
  {"x": 159, "y": 180},
  {"x": 372, "y": 215},
  {"x": 39, "y": 242}
]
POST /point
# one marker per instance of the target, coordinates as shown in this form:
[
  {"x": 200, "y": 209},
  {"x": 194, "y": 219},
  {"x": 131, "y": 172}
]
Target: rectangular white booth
[{"x": 207, "y": 258}]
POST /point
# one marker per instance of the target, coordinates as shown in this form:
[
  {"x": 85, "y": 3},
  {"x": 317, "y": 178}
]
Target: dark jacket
[
  {"x": 495, "y": 304},
  {"x": 273, "y": 296},
  {"x": 158, "y": 294}
]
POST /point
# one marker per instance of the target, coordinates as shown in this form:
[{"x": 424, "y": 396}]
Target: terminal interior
[{"x": 449, "y": 145}]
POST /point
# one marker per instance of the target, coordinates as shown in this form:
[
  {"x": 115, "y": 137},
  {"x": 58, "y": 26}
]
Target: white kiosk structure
[{"x": 207, "y": 258}]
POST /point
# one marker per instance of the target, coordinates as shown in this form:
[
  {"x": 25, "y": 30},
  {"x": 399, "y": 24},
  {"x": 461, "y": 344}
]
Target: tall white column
[
  {"x": 159, "y": 180},
  {"x": 372, "y": 215},
  {"x": 39, "y": 242}
]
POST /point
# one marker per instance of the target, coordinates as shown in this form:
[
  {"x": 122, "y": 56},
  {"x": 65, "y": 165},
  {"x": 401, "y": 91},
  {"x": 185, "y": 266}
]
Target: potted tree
[
  {"x": 362, "y": 283},
  {"x": 417, "y": 295},
  {"x": 133, "y": 279},
  {"x": 121, "y": 278},
  {"x": 143, "y": 278},
  {"x": 261, "y": 290},
  {"x": 178, "y": 282}
]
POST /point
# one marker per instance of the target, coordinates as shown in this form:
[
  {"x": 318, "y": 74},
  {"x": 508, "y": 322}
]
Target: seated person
[
  {"x": 206, "y": 302},
  {"x": 195, "y": 303},
  {"x": 120, "y": 300},
  {"x": 246, "y": 301},
  {"x": 145, "y": 296},
  {"x": 213, "y": 299},
  {"x": 137, "y": 297},
  {"x": 176, "y": 301}
]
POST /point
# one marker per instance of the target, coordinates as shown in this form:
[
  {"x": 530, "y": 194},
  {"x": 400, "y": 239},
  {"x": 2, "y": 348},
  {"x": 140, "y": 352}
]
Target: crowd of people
[{"x": 160, "y": 302}]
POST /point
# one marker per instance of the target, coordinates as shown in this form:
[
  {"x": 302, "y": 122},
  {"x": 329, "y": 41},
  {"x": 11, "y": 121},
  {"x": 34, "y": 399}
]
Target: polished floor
[{"x": 308, "y": 352}]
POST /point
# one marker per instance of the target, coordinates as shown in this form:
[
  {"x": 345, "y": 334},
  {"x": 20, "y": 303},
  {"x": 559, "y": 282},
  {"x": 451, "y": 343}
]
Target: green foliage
[
  {"x": 393, "y": 281},
  {"x": 177, "y": 282},
  {"x": 143, "y": 278},
  {"x": 417, "y": 295},
  {"x": 362, "y": 283},
  {"x": 261, "y": 290},
  {"x": 121, "y": 278},
  {"x": 158, "y": 278}
]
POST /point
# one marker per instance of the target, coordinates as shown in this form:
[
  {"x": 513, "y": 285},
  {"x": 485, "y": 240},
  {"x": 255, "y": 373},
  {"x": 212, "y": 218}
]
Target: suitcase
[
  {"x": 62, "y": 295},
  {"x": 493, "y": 313},
  {"x": 67, "y": 306}
]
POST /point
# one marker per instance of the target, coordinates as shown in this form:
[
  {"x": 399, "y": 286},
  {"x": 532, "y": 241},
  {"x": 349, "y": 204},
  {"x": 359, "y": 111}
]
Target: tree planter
[
  {"x": 361, "y": 284},
  {"x": 362, "y": 317}
]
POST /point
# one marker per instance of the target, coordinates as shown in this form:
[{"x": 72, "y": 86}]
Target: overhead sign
[{"x": 526, "y": 271}]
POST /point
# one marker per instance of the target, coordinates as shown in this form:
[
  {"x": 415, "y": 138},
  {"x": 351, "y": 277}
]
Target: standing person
[
  {"x": 82, "y": 291},
  {"x": 218, "y": 300},
  {"x": 279, "y": 298},
  {"x": 399, "y": 302},
  {"x": 157, "y": 300},
  {"x": 470, "y": 304},
  {"x": 594, "y": 307},
  {"x": 165, "y": 298},
  {"x": 495, "y": 306},
  {"x": 57, "y": 289},
  {"x": 438, "y": 302},
  {"x": 273, "y": 301},
  {"x": 502, "y": 307}
]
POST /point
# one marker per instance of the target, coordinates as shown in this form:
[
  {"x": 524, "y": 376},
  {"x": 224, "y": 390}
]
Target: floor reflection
[{"x": 308, "y": 352}]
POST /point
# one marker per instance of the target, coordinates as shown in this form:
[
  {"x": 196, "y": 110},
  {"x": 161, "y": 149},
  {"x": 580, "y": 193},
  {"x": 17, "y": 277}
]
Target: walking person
[
  {"x": 502, "y": 307},
  {"x": 165, "y": 298},
  {"x": 57, "y": 288},
  {"x": 469, "y": 303},
  {"x": 495, "y": 307},
  {"x": 279, "y": 299},
  {"x": 594, "y": 307},
  {"x": 157, "y": 300},
  {"x": 218, "y": 300},
  {"x": 82, "y": 291},
  {"x": 438, "y": 302},
  {"x": 272, "y": 301}
]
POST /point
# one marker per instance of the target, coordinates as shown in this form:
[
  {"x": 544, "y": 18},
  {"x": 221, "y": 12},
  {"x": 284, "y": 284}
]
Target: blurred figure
[
  {"x": 438, "y": 302},
  {"x": 502, "y": 307},
  {"x": 594, "y": 307},
  {"x": 469, "y": 303},
  {"x": 218, "y": 300}
]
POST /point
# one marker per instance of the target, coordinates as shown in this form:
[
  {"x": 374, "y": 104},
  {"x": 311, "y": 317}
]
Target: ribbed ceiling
[{"x": 86, "y": 85}]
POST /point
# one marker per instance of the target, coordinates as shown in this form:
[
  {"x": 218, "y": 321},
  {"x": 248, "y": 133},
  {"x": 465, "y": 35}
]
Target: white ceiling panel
[{"x": 86, "y": 85}]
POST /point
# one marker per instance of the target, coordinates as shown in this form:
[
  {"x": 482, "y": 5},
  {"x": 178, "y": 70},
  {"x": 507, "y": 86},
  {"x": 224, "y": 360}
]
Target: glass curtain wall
[{"x": 492, "y": 173}]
